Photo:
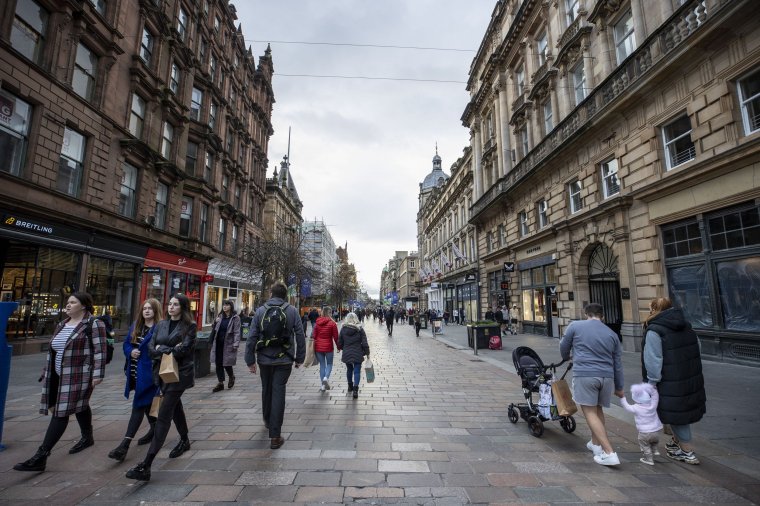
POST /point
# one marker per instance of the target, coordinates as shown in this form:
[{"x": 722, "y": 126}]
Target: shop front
[
  {"x": 434, "y": 294},
  {"x": 538, "y": 289},
  {"x": 227, "y": 281},
  {"x": 467, "y": 297},
  {"x": 44, "y": 261},
  {"x": 165, "y": 274}
]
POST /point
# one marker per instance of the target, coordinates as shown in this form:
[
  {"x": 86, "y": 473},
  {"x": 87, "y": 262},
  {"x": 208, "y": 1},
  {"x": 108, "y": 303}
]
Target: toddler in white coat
[{"x": 647, "y": 422}]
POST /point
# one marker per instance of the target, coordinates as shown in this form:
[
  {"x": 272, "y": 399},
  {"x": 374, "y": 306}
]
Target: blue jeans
[
  {"x": 355, "y": 371},
  {"x": 325, "y": 364}
]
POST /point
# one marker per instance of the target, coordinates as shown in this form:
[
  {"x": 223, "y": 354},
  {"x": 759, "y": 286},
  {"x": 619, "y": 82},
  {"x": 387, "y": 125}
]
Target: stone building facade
[
  {"x": 408, "y": 286},
  {"x": 319, "y": 247},
  {"x": 134, "y": 140},
  {"x": 616, "y": 147},
  {"x": 447, "y": 241}
]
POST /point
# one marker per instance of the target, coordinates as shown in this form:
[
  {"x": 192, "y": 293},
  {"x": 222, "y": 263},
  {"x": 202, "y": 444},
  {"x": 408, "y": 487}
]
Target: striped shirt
[{"x": 59, "y": 344}]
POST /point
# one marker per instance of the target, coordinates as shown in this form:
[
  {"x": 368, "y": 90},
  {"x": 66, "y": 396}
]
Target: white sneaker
[
  {"x": 322, "y": 388},
  {"x": 596, "y": 449},
  {"x": 607, "y": 459},
  {"x": 325, "y": 384}
]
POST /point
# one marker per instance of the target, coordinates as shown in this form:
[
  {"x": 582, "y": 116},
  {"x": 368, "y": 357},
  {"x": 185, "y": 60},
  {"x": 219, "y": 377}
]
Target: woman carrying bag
[
  {"x": 76, "y": 363},
  {"x": 225, "y": 343},
  {"x": 353, "y": 342},
  {"x": 175, "y": 337},
  {"x": 139, "y": 373},
  {"x": 325, "y": 335}
]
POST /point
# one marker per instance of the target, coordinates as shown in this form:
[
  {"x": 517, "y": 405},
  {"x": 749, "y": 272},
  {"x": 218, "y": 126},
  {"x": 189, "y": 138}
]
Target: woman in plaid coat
[{"x": 76, "y": 362}]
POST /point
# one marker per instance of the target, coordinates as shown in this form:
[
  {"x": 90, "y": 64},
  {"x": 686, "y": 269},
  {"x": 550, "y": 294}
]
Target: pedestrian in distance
[
  {"x": 313, "y": 315},
  {"x": 277, "y": 343},
  {"x": 225, "y": 341},
  {"x": 648, "y": 424},
  {"x": 353, "y": 343},
  {"x": 597, "y": 371},
  {"x": 671, "y": 361},
  {"x": 325, "y": 339},
  {"x": 456, "y": 316},
  {"x": 173, "y": 336},
  {"x": 489, "y": 314},
  {"x": 462, "y": 316},
  {"x": 514, "y": 319},
  {"x": 417, "y": 323},
  {"x": 75, "y": 364},
  {"x": 389, "y": 321},
  {"x": 499, "y": 317},
  {"x": 139, "y": 376}
]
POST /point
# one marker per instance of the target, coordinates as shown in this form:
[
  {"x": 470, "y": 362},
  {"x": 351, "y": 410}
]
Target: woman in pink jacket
[{"x": 325, "y": 336}]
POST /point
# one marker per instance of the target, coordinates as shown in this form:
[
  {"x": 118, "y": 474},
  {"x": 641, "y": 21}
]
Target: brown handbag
[
  {"x": 155, "y": 406},
  {"x": 169, "y": 370}
]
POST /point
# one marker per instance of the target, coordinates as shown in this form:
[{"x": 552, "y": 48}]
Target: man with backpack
[{"x": 276, "y": 343}]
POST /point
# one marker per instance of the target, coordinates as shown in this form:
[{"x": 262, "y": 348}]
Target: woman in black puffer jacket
[{"x": 352, "y": 341}]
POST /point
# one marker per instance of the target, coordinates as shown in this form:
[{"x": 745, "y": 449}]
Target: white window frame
[
  {"x": 625, "y": 37},
  {"x": 548, "y": 116},
  {"x": 85, "y": 72},
  {"x": 610, "y": 180},
  {"x": 29, "y": 31},
  {"x": 14, "y": 133},
  {"x": 520, "y": 79},
  {"x": 204, "y": 220},
  {"x": 671, "y": 160},
  {"x": 191, "y": 158},
  {"x": 572, "y": 8},
  {"x": 222, "y": 238},
  {"x": 542, "y": 47},
  {"x": 162, "y": 204},
  {"x": 183, "y": 23},
  {"x": 137, "y": 115},
  {"x": 235, "y": 231},
  {"x": 167, "y": 140},
  {"x": 174, "y": 78},
  {"x": 196, "y": 104},
  {"x": 186, "y": 215},
  {"x": 208, "y": 167},
  {"x": 579, "y": 82},
  {"x": 146, "y": 46},
  {"x": 72, "y": 155},
  {"x": 212, "y": 115},
  {"x": 522, "y": 219},
  {"x": 522, "y": 138},
  {"x": 543, "y": 209},
  {"x": 128, "y": 191},
  {"x": 574, "y": 190},
  {"x": 747, "y": 102}
]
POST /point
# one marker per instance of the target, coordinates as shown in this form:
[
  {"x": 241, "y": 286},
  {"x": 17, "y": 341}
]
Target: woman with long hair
[
  {"x": 139, "y": 376},
  {"x": 225, "y": 343},
  {"x": 325, "y": 334},
  {"x": 671, "y": 361},
  {"x": 175, "y": 336},
  {"x": 76, "y": 363}
]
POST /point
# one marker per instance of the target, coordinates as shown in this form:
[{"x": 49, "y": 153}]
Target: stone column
[
  {"x": 553, "y": 92},
  {"x": 477, "y": 153},
  {"x": 639, "y": 21},
  {"x": 504, "y": 139},
  {"x": 498, "y": 91},
  {"x": 588, "y": 67}
]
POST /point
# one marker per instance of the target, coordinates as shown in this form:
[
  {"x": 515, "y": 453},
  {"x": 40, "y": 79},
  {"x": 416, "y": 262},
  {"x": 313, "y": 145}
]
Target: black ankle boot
[
  {"x": 356, "y": 392},
  {"x": 147, "y": 438},
  {"x": 218, "y": 388},
  {"x": 36, "y": 463},
  {"x": 231, "y": 382},
  {"x": 182, "y": 447},
  {"x": 140, "y": 472},
  {"x": 120, "y": 452},
  {"x": 85, "y": 442},
  {"x": 350, "y": 386}
]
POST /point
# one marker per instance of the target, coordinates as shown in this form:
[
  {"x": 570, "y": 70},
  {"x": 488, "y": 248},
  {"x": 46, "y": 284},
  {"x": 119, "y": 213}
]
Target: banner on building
[{"x": 458, "y": 253}]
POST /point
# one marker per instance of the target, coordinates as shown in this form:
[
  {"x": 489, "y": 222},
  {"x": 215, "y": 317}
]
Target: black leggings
[
  {"x": 135, "y": 420},
  {"x": 171, "y": 409},
  {"x": 58, "y": 426}
]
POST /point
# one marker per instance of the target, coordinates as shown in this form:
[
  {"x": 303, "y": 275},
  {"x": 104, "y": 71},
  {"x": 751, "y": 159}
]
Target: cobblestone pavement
[{"x": 432, "y": 429}]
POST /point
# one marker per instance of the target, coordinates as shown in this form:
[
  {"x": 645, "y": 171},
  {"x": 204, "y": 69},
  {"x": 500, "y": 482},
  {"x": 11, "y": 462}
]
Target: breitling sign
[{"x": 16, "y": 222}]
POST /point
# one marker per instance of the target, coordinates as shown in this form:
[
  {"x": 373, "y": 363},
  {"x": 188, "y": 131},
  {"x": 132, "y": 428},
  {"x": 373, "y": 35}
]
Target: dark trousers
[
  {"x": 274, "y": 379},
  {"x": 135, "y": 420},
  {"x": 171, "y": 409},
  {"x": 220, "y": 370},
  {"x": 417, "y": 329},
  {"x": 58, "y": 426},
  {"x": 389, "y": 324}
]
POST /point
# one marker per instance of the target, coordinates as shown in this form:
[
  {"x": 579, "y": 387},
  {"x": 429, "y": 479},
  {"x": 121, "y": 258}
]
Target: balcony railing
[
  {"x": 669, "y": 37},
  {"x": 571, "y": 32}
]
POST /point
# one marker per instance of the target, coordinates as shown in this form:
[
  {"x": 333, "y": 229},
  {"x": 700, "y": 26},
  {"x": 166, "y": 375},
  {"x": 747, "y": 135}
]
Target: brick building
[
  {"x": 133, "y": 141},
  {"x": 615, "y": 152}
]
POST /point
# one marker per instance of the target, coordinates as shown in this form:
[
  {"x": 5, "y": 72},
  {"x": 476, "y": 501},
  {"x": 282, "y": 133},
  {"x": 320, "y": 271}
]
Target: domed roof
[{"x": 437, "y": 177}]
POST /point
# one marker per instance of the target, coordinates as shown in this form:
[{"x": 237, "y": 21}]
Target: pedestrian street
[{"x": 431, "y": 429}]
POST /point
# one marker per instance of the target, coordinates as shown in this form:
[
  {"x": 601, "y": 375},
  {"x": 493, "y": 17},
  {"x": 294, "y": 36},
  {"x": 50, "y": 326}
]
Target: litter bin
[
  {"x": 202, "y": 356},
  {"x": 423, "y": 321},
  {"x": 480, "y": 334}
]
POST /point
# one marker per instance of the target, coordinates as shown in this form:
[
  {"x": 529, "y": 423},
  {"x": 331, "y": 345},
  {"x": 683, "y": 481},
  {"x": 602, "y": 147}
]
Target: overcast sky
[{"x": 360, "y": 147}]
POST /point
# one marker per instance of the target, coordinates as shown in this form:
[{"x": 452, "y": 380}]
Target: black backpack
[
  {"x": 274, "y": 331},
  {"x": 109, "y": 338}
]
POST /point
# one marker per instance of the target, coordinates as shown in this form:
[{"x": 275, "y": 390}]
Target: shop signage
[
  {"x": 151, "y": 270},
  {"x": 505, "y": 285},
  {"x": 16, "y": 222},
  {"x": 181, "y": 261},
  {"x": 509, "y": 266},
  {"x": 207, "y": 278},
  {"x": 552, "y": 290},
  {"x": 625, "y": 293},
  {"x": 469, "y": 277}
]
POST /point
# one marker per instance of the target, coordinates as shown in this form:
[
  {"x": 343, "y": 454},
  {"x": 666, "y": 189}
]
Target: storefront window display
[
  {"x": 112, "y": 286},
  {"x": 163, "y": 284},
  {"x": 39, "y": 279},
  {"x": 534, "y": 282}
]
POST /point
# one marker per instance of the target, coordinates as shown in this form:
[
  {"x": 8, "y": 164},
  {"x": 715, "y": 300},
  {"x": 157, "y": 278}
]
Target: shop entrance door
[
  {"x": 552, "y": 311},
  {"x": 604, "y": 286}
]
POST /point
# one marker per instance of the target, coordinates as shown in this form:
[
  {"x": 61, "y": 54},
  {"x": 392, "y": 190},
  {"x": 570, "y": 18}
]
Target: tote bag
[
  {"x": 311, "y": 356},
  {"x": 563, "y": 398},
  {"x": 156, "y": 405},
  {"x": 169, "y": 370}
]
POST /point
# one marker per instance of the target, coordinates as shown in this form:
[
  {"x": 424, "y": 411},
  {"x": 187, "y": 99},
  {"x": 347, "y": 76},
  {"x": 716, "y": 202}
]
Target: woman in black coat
[
  {"x": 352, "y": 340},
  {"x": 174, "y": 336}
]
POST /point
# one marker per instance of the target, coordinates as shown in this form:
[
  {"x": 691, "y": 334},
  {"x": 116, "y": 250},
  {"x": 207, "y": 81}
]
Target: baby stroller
[{"x": 534, "y": 374}]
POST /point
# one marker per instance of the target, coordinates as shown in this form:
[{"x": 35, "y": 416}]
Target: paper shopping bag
[
  {"x": 311, "y": 356},
  {"x": 156, "y": 405},
  {"x": 563, "y": 398},
  {"x": 369, "y": 370},
  {"x": 169, "y": 370}
]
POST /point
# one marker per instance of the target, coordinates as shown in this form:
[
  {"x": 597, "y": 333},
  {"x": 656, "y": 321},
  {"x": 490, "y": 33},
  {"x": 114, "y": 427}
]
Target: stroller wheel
[
  {"x": 513, "y": 413},
  {"x": 535, "y": 426},
  {"x": 568, "y": 424}
]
